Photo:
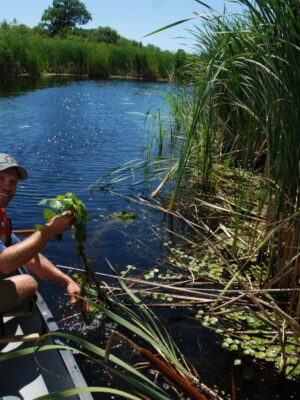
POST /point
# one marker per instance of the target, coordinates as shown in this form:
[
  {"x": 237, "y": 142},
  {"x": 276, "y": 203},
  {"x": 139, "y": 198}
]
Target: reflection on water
[{"x": 12, "y": 86}]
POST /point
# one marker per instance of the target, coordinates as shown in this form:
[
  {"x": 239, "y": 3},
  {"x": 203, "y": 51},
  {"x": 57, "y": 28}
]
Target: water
[{"x": 68, "y": 134}]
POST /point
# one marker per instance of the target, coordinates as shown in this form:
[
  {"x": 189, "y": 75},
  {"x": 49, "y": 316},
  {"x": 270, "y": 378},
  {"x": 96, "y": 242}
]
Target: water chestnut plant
[{"x": 60, "y": 205}]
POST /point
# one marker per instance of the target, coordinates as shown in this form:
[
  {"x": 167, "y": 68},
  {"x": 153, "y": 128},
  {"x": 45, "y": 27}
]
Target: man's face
[{"x": 8, "y": 185}]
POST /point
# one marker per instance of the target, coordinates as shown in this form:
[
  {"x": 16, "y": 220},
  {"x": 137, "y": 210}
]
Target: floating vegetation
[
  {"x": 249, "y": 320},
  {"x": 219, "y": 269},
  {"x": 123, "y": 216},
  {"x": 129, "y": 268}
]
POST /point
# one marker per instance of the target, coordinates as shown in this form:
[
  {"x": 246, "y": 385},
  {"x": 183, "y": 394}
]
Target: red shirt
[{"x": 5, "y": 228}]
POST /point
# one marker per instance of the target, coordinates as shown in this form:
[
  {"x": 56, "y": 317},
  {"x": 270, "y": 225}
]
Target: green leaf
[
  {"x": 43, "y": 202},
  {"x": 38, "y": 227},
  {"x": 48, "y": 214},
  {"x": 170, "y": 26}
]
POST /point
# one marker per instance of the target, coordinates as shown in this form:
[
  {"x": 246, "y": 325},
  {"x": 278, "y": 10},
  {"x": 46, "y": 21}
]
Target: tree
[
  {"x": 65, "y": 15},
  {"x": 180, "y": 62},
  {"x": 107, "y": 35}
]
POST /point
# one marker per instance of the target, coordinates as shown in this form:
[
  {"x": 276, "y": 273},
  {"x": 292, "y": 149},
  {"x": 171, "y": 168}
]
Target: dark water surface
[{"x": 67, "y": 134}]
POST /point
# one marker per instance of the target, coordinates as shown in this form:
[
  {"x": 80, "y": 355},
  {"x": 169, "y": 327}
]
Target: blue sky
[{"x": 131, "y": 18}]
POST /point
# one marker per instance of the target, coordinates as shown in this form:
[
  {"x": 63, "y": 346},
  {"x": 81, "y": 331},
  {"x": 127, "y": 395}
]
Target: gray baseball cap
[{"x": 7, "y": 161}]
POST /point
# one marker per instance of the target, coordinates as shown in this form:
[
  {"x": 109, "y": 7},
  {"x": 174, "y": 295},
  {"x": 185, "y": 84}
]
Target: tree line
[{"x": 59, "y": 45}]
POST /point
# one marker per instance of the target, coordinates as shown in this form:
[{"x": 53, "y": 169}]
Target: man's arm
[
  {"x": 43, "y": 268},
  {"x": 13, "y": 257}
]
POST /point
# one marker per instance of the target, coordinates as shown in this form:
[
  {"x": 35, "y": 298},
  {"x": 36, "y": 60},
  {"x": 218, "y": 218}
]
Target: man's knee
[
  {"x": 16, "y": 290},
  {"x": 29, "y": 285},
  {"x": 25, "y": 285}
]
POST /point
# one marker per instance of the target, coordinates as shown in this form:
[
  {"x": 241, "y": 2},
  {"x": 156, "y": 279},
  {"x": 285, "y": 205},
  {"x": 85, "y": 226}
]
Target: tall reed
[
  {"x": 22, "y": 51},
  {"x": 245, "y": 113}
]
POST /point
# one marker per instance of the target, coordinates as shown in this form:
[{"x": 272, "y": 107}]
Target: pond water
[
  {"x": 68, "y": 136},
  {"x": 68, "y": 133}
]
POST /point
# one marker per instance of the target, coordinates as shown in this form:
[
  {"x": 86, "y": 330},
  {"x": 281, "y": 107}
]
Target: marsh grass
[
  {"x": 244, "y": 116},
  {"x": 24, "y": 51}
]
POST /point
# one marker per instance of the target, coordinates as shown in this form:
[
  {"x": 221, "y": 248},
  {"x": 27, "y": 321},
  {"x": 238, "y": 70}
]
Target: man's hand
[
  {"x": 73, "y": 290},
  {"x": 59, "y": 224}
]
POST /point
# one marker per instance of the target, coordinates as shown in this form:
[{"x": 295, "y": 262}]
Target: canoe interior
[{"x": 23, "y": 378}]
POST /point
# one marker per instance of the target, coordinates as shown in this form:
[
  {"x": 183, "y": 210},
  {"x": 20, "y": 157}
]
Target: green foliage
[
  {"x": 106, "y": 34},
  {"x": 256, "y": 341},
  {"x": 242, "y": 114},
  {"x": 19, "y": 52},
  {"x": 62, "y": 204},
  {"x": 181, "y": 60},
  {"x": 123, "y": 215},
  {"x": 249, "y": 330},
  {"x": 88, "y": 298},
  {"x": 64, "y": 15},
  {"x": 32, "y": 51},
  {"x": 245, "y": 95},
  {"x": 116, "y": 367},
  {"x": 143, "y": 322}
]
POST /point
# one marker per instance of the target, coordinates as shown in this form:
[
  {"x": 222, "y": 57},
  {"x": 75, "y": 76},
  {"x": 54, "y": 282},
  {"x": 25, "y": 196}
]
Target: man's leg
[{"x": 15, "y": 290}]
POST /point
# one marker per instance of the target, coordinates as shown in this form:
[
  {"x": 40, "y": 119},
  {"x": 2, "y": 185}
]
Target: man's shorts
[{"x": 8, "y": 295}]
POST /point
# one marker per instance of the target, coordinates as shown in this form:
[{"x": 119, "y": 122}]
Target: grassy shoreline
[{"x": 24, "y": 52}]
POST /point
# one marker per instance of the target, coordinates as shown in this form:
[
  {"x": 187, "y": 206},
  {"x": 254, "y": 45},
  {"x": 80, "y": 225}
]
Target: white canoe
[{"x": 22, "y": 378}]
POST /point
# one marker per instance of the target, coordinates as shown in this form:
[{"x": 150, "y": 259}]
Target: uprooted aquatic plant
[{"x": 69, "y": 202}]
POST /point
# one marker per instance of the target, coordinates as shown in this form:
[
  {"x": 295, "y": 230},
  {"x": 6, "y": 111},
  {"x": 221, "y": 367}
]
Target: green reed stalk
[{"x": 246, "y": 109}]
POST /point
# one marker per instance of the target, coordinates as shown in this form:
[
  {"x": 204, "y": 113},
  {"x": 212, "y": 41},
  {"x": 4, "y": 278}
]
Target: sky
[{"x": 132, "y": 19}]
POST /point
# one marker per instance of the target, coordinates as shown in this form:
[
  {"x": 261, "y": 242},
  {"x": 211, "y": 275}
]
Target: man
[{"x": 16, "y": 288}]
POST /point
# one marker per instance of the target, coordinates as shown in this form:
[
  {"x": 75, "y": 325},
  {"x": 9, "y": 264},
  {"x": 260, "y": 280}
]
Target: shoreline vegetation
[{"x": 32, "y": 52}]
